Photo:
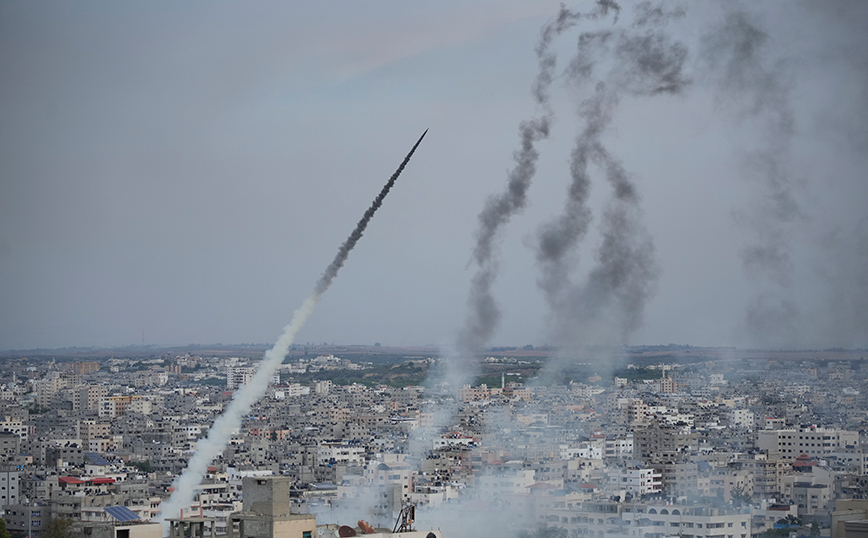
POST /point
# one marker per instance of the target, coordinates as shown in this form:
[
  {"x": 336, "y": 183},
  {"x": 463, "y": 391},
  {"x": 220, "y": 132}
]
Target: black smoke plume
[
  {"x": 641, "y": 61},
  {"x": 332, "y": 270},
  {"x": 483, "y": 313}
]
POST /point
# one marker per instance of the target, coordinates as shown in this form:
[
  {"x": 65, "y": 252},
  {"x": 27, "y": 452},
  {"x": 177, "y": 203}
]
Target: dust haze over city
[{"x": 625, "y": 218}]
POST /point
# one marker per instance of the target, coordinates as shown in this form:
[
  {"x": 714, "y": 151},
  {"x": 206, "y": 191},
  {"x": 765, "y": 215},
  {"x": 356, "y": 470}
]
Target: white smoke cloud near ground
[{"x": 218, "y": 435}]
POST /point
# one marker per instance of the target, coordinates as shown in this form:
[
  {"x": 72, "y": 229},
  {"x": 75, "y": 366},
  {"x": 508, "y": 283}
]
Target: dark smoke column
[
  {"x": 332, "y": 270},
  {"x": 483, "y": 314},
  {"x": 208, "y": 448},
  {"x": 642, "y": 61}
]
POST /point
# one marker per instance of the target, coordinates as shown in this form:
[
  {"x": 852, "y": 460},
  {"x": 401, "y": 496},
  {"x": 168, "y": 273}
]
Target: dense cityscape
[
  {"x": 596, "y": 177},
  {"x": 654, "y": 442}
]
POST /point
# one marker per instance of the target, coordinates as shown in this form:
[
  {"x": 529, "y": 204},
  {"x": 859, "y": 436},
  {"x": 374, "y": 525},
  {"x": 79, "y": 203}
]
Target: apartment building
[
  {"x": 632, "y": 520},
  {"x": 789, "y": 444},
  {"x": 662, "y": 442},
  {"x": 638, "y": 482},
  {"x": 340, "y": 453}
]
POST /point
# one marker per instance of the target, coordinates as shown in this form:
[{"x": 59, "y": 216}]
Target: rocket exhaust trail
[
  {"x": 218, "y": 436},
  {"x": 332, "y": 270}
]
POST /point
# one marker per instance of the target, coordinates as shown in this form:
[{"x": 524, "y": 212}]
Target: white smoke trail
[
  {"x": 218, "y": 436},
  {"x": 210, "y": 447}
]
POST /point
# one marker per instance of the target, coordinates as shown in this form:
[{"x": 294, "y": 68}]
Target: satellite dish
[{"x": 346, "y": 532}]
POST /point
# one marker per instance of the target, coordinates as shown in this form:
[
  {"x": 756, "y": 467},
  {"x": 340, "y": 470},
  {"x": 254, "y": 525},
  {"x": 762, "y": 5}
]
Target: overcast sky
[{"x": 184, "y": 171}]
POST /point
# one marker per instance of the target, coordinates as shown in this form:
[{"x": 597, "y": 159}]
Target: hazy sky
[{"x": 187, "y": 170}]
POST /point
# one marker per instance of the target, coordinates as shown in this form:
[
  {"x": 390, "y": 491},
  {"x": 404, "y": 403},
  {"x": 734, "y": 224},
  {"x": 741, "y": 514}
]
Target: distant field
[{"x": 395, "y": 355}]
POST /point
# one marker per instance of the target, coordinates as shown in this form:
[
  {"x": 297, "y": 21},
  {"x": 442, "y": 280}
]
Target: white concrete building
[
  {"x": 11, "y": 425},
  {"x": 237, "y": 376},
  {"x": 813, "y": 441},
  {"x": 508, "y": 482},
  {"x": 638, "y": 481},
  {"x": 340, "y": 453},
  {"x": 453, "y": 439},
  {"x": 635, "y": 520},
  {"x": 620, "y": 448},
  {"x": 585, "y": 451},
  {"x": 741, "y": 418}
]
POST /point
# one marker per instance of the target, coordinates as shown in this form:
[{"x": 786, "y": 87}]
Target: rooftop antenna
[{"x": 404, "y": 523}]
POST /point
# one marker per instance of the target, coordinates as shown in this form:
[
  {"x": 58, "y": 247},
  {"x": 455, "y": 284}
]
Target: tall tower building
[{"x": 266, "y": 511}]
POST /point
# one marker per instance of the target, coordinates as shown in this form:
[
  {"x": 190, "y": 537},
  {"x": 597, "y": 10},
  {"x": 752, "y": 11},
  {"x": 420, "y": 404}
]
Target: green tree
[
  {"x": 790, "y": 520},
  {"x": 35, "y": 409},
  {"x": 3, "y": 532},
  {"x": 143, "y": 466},
  {"x": 739, "y": 497},
  {"x": 58, "y": 528}
]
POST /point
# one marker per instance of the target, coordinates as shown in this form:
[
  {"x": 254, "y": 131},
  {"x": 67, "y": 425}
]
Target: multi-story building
[
  {"x": 294, "y": 390},
  {"x": 140, "y": 406},
  {"x": 740, "y": 418},
  {"x": 266, "y": 512},
  {"x": 638, "y": 482},
  {"x": 10, "y": 445},
  {"x": 637, "y": 411},
  {"x": 26, "y": 520},
  {"x": 46, "y": 388},
  {"x": 620, "y": 448},
  {"x": 9, "y": 487},
  {"x": 322, "y": 387},
  {"x": 13, "y": 425},
  {"x": 679, "y": 479},
  {"x": 93, "y": 429},
  {"x": 505, "y": 481},
  {"x": 68, "y": 452},
  {"x": 89, "y": 397},
  {"x": 82, "y": 368},
  {"x": 151, "y": 378},
  {"x": 340, "y": 453},
  {"x": 727, "y": 480},
  {"x": 474, "y": 394},
  {"x": 767, "y": 474},
  {"x": 667, "y": 384},
  {"x": 594, "y": 518},
  {"x": 789, "y": 444},
  {"x": 663, "y": 443},
  {"x": 115, "y": 406},
  {"x": 236, "y": 376}
]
